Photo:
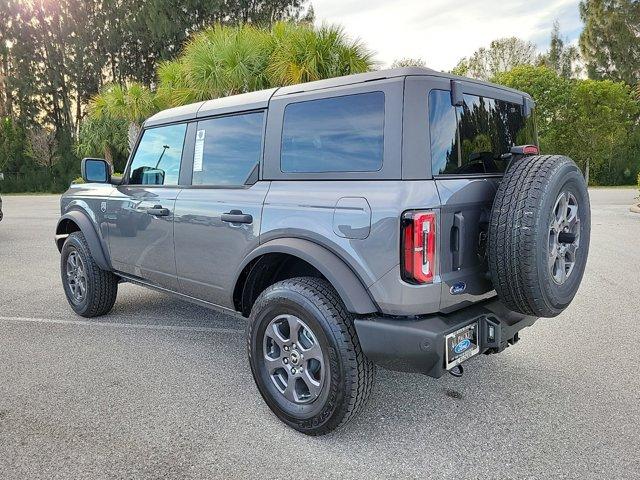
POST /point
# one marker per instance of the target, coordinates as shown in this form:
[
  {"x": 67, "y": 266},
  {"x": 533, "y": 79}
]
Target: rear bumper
[{"x": 418, "y": 344}]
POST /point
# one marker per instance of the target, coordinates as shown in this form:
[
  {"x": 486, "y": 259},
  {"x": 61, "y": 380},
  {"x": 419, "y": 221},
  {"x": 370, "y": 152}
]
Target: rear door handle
[
  {"x": 236, "y": 216},
  {"x": 458, "y": 254},
  {"x": 158, "y": 211}
]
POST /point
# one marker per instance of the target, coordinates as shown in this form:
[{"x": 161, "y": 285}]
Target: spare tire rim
[
  {"x": 564, "y": 237},
  {"x": 76, "y": 276},
  {"x": 293, "y": 359}
]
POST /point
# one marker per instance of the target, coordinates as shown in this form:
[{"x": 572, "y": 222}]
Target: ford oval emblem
[
  {"x": 457, "y": 288},
  {"x": 462, "y": 346}
]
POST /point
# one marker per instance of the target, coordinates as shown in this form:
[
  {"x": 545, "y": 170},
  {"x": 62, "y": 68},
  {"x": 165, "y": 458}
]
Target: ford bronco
[{"x": 400, "y": 218}]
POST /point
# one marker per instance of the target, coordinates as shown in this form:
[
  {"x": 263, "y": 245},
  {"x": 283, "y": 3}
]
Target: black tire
[
  {"x": 526, "y": 257},
  {"x": 101, "y": 286},
  {"x": 347, "y": 376}
]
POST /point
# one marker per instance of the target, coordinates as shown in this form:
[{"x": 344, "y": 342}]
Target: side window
[
  {"x": 473, "y": 138},
  {"x": 443, "y": 130},
  {"x": 157, "y": 159},
  {"x": 339, "y": 134},
  {"x": 227, "y": 149}
]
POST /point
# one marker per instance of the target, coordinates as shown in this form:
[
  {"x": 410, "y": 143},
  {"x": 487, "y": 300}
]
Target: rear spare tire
[{"x": 539, "y": 235}]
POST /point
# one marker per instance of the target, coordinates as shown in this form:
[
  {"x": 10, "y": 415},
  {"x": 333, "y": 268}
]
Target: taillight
[{"x": 418, "y": 246}]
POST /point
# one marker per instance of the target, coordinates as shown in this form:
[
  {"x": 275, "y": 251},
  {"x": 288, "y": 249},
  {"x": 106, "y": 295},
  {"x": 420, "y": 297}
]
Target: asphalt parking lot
[{"x": 161, "y": 389}]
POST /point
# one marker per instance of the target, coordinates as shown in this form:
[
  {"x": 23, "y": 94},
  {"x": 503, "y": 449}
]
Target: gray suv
[{"x": 400, "y": 218}]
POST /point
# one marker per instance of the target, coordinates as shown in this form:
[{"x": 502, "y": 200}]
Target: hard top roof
[{"x": 260, "y": 99}]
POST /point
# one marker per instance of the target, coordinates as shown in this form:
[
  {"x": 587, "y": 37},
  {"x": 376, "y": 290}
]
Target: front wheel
[
  {"x": 305, "y": 356},
  {"x": 90, "y": 291}
]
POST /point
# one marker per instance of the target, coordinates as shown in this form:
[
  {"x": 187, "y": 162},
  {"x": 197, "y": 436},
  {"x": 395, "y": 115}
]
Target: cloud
[{"x": 444, "y": 31}]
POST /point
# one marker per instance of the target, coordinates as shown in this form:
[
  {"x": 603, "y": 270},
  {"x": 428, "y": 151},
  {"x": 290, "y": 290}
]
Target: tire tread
[
  {"x": 103, "y": 284},
  {"x": 360, "y": 370}
]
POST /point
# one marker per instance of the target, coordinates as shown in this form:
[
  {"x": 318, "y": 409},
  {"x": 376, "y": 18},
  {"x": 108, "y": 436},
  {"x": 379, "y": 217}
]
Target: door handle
[
  {"x": 236, "y": 216},
  {"x": 458, "y": 252},
  {"x": 158, "y": 211}
]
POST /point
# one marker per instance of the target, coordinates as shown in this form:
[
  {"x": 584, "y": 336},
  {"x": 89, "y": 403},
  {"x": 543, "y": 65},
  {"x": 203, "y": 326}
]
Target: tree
[
  {"x": 610, "y": 41},
  {"x": 606, "y": 114},
  {"x": 43, "y": 147},
  {"x": 502, "y": 55},
  {"x": 132, "y": 103},
  {"x": 561, "y": 58},
  {"x": 219, "y": 61},
  {"x": 301, "y": 53},
  {"x": 57, "y": 55},
  {"x": 226, "y": 60},
  {"x": 592, "y": 121},
  {"x": 104, "y": 137}
]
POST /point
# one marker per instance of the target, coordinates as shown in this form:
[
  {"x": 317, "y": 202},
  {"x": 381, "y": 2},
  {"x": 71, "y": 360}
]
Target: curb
[{"x": 635, "y": 208}]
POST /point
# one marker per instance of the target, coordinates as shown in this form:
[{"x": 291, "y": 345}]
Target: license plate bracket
[{"x": 461, "y": 345}]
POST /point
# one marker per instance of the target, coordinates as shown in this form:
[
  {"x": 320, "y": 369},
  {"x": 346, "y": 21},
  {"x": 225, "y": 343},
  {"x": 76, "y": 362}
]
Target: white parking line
[{"x": 97, "y": 323}]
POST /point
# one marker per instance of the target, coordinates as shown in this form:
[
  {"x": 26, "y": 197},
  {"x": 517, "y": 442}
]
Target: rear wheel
[
  {"x": 539, "y": 235},
  {"x": 305, "y": 356},
  {"x": 90, "y": 291}
]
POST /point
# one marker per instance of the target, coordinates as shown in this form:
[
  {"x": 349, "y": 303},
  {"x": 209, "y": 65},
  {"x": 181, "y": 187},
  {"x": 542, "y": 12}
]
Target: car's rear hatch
[
  {"x": 472, "y": 131},
  {"x": 464, "y": 219}
]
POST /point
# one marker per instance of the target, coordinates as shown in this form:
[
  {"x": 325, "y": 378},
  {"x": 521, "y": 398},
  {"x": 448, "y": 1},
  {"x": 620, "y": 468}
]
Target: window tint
[
  {"x": 443, "y": 129},
  {"x": 339, "y": 134},
  {"x": 157, "y": 159},
  {"x": 472, "y": 138},
  {"x": 227, "y": 149}
]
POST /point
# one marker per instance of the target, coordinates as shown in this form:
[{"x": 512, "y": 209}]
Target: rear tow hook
[{"x": 457, "y": 371}]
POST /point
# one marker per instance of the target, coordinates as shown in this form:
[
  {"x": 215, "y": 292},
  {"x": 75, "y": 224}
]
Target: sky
[{"x": 441, "y": 32}]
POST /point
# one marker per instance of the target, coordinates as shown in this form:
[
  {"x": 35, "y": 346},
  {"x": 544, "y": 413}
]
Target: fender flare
[
  {"x": 96, "y": 245},
  {"x": 335, "y": 270}
]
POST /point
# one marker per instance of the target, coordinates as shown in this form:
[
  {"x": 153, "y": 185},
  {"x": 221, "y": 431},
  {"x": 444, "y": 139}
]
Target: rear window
[
  {"x": 339, "y": 134},
  {"x": 471, "y": 139}
]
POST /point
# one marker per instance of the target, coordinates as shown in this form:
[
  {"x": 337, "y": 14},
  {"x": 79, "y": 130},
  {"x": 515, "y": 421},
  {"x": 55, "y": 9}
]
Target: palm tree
[
  {"x": 133, "y": 103},
  {"x": 105, "y": 137},
  {"x": 224, "y": 60},
  {"x": 300, "y": 53}
]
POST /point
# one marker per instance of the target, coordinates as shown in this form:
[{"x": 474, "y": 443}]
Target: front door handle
[
  {"x": 158, "y": 211},
  {"x": 236, "y": 216}
]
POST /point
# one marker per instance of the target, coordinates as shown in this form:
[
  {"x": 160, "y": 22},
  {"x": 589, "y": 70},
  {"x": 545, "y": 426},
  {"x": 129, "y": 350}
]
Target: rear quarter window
[{"x": 338, "y": 134}]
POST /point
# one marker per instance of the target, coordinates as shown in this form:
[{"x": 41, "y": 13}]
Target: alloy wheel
[
  {"x": 76, "y": 277},
  {"x": 564, "y": 237},
  {"x": 293, "y": 359}
]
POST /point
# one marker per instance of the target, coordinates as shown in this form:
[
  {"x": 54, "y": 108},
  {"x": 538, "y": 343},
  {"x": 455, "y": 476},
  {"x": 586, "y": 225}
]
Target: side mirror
[{"x": 95, "y": 170}]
